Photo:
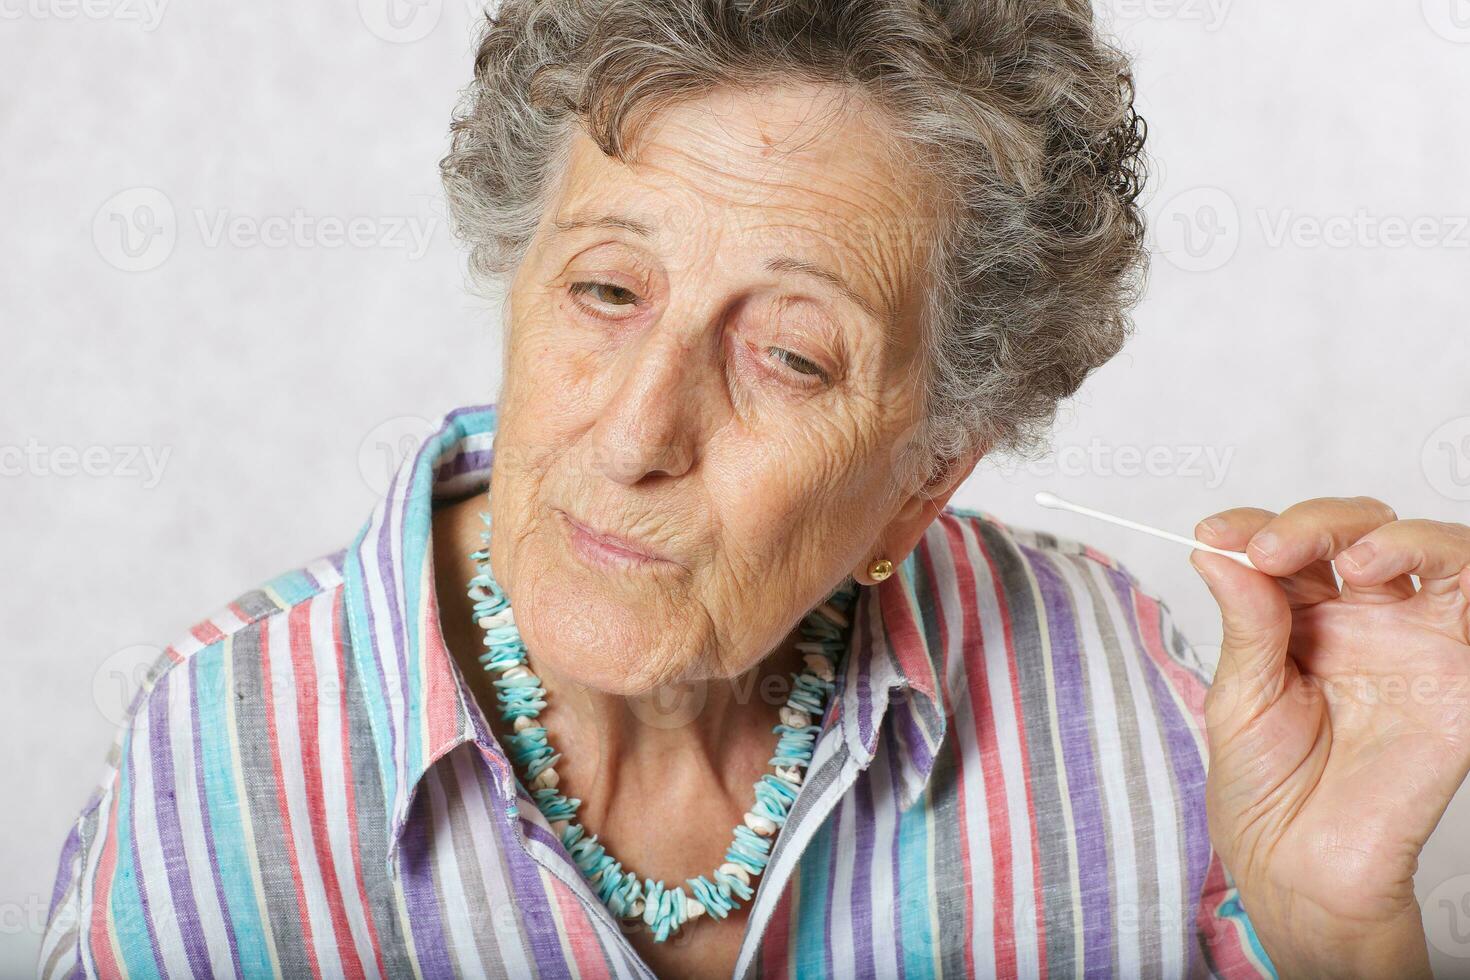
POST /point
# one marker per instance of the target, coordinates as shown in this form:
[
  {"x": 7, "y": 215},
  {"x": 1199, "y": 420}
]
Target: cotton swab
[{"x": 1057, "y": 503}]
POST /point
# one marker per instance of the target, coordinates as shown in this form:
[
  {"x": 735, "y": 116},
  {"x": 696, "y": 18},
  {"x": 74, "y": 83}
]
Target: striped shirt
[{"x": 1009, "y": 781}]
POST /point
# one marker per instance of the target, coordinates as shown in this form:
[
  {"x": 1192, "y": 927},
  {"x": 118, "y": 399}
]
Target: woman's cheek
[
  {"x": 547, "y": 351},
  {"x": 771, "y": 489}
]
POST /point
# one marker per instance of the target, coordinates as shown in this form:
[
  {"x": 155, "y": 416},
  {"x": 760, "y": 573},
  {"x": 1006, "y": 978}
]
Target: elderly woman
[{"x": 675, "y": 661}]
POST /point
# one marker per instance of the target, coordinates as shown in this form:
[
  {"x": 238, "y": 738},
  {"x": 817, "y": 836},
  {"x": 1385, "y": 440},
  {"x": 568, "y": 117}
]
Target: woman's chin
[{"x": 597, "y": 637}]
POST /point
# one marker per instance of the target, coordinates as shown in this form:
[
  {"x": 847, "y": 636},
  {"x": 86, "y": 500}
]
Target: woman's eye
[
  {"x": 797, "y": 363},
  {"x": 605, "y": 292}
]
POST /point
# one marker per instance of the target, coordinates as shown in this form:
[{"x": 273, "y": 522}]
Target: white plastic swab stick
[{"x": 1057, "y": 503}]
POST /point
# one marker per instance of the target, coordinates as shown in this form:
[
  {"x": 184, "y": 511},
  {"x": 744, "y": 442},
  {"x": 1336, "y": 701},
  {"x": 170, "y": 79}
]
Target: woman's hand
[{"x": 1339, "y": 723}]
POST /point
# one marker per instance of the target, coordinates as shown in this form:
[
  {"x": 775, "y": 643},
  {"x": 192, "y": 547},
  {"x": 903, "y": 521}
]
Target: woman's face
[{"x": 711, "y": 354}]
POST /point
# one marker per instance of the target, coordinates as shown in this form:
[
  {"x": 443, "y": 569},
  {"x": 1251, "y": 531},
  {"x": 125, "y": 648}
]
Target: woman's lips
[{"x": 606, "y": 549}]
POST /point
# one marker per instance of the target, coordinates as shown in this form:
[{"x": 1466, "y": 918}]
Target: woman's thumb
[{"x": 1255, "y": 624}]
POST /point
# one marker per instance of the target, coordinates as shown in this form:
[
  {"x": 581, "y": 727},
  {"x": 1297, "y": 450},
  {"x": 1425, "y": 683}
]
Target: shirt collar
[
  {"x": 895, "y": 674},
  {"x": 420, "y": 708}
]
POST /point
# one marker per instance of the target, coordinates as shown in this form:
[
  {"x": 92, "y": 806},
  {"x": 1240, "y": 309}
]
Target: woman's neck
[
  {"x": 683, "y": 740},
  {"x": 695, "y": 747}
]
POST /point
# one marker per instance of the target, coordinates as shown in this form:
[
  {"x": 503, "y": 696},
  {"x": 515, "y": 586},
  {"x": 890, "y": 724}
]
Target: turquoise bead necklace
[{"x": 661, "y": 909}]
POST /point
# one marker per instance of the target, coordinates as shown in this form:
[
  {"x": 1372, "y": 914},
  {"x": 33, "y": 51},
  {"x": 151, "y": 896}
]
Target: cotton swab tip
[{"x": 1047, "y": 499}]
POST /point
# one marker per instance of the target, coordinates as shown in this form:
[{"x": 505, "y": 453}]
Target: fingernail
[
  {"x": 1266, "y": 543},
  {"x": 1214, "y": 525},
  {"x": 1358, "y": 556}
]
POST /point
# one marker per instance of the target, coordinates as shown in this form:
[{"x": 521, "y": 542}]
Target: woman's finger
[
  {"x": 1315, "y": 530},
  {"x": 1232, "y": 529},
  {"x": 1255, "y": 629},
  {"x": 1436, "y": 551}
]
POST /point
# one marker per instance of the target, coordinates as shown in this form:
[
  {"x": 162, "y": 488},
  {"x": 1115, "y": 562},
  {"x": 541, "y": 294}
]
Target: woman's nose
[{"x": 652, "y": 422}]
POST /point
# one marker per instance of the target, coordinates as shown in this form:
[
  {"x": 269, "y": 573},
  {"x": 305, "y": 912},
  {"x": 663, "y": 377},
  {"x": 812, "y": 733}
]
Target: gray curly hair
[{"x": 1018, "y": 106}]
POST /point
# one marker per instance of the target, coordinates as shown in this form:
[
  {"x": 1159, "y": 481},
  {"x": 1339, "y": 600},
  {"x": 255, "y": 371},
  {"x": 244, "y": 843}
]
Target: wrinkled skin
[
  {"x": 679, "y": 375},
  {"x": 672, "y": 387},
  {"x": 1339, "y": 724},
  {"x": 666, "y": 380}
]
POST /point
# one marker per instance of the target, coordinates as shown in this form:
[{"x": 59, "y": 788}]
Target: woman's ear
[{"x": 901, "y": 535}]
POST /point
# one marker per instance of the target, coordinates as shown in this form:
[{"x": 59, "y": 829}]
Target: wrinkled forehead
[{"x": 803, "y": 170}]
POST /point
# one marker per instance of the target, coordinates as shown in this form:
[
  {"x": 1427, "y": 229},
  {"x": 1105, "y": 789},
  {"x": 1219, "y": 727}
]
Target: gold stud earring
[{"x": 880, "y": 569}]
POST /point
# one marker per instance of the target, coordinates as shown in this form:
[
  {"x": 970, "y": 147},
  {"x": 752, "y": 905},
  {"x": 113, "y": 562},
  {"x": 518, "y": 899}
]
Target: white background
[{"x": 1289, "y": 328}]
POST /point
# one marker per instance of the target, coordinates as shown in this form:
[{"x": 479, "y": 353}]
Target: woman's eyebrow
[
  {"x": 787, "y": 263},
  {"x": 604, "y": 221},
  {"x": 776, "y": 263}
]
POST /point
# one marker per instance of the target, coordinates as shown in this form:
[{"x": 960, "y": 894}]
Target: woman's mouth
[{"x": 607, "y": 550}]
